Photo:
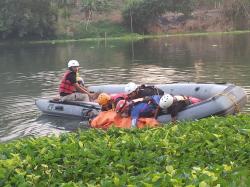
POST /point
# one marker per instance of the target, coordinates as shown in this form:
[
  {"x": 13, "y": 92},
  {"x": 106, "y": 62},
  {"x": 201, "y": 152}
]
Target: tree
[
  {"x": 140, "y": 13},
  {"x": 29, "y": 18},
  {"x": 90, "y": 6},
  {"x": 237, "y": 11}
]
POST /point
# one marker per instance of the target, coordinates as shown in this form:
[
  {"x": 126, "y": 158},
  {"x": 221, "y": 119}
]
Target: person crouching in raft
[
  {"x": 109, "y": 102},
  {"x": 142, "y": 107},
  {"x": 174, "y": 104}
]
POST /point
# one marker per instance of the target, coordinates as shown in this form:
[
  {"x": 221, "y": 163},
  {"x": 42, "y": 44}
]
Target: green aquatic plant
[{"x": 209, "y": 152}]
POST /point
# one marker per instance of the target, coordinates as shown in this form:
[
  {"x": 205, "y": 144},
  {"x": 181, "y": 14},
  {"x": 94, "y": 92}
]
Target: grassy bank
[
  {"x": 209, "y": 152},
  {"x": 116, "y": 35}
]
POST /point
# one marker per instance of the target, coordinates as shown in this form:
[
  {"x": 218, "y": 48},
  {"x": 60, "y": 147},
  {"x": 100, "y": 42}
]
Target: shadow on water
[{"x": 61, "y": 123}]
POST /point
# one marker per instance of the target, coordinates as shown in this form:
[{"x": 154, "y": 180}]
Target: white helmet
[
  {"x": 166, "y": 101},
  {"x": 130, "y": 87},
  {"x": 73, "y": 63}
]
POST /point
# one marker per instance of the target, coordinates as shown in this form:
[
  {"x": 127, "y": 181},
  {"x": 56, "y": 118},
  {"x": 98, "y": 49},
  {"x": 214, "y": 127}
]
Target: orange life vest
[{"x": 66, "y": 86}]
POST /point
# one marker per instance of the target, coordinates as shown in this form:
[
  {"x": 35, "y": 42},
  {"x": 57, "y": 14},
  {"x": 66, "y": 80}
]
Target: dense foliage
[
  {"x": 140, "y": 13},
  {"x": 33, "y": 18},
  {"x": 41, "y": 19},
  {"x": 96, "y": 5},
  {"x": 209, "y": 152},
  {"x": 238, "y": 12}
]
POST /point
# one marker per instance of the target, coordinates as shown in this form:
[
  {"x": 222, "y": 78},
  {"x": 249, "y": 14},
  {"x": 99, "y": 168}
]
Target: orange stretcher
[{"x": 107, "y": 119}]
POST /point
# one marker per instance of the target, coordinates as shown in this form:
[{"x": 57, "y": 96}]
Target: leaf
[
  {"x": 245, "y": 131},
  {"x": 80, "y": 144},
  {"x": 116, "y": 181},
  {"x": 169, "y": 169},
  {"x": 155, "y": 178},
  {"x": 44, "y": 165},
  {"x": 227, "y": 167},
  {"x": 147, "y": 184},
  {"x": 203, "y": 184}
]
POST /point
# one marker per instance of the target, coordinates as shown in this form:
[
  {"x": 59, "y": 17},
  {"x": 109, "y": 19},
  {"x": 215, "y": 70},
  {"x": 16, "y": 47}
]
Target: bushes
[
  {"x": 140, "y": 13},
  {"x": 99, "y": 29},
  {"x": 237, "y": 11},
  {"x": 208, "y": 152}
]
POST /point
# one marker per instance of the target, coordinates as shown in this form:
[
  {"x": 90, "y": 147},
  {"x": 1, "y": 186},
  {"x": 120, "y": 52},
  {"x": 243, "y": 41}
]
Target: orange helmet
[
  {"x": 121, "y": 106},
  {"x": 103, "y": 99}
]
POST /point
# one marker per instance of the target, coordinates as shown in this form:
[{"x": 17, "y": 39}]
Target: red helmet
[{"x": 121, "y": 106}]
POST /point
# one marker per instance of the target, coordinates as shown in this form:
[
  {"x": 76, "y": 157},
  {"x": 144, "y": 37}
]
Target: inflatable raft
[
  {"x": 67, "y": 109},
  {"x": 218, "y": 99}
]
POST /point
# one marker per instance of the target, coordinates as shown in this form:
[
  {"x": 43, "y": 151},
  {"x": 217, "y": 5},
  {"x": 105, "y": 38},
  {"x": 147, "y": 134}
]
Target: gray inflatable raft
[
  {"x": 77, "y": 109},
  {"x": 218, "y": 99}
]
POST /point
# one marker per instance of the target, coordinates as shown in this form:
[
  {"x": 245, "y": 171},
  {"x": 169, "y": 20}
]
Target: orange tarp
[{"x": 110, "y": 118}]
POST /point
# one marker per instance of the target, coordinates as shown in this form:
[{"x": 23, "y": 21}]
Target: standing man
[{"x": 69, "y": 89}]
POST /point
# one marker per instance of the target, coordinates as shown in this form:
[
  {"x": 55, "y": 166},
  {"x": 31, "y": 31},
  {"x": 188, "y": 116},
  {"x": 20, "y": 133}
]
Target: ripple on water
[{"x": 20, "y": 118}]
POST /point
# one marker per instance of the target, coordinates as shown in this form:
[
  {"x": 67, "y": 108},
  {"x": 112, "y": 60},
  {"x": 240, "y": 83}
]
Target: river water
[{"x": 32, "y": 71}]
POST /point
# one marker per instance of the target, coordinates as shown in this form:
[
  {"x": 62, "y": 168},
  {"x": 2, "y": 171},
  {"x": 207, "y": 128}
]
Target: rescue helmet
[
  {"x": 73, "y": 63},
  {"x": 121, "y": 106},
  {"x": 103, "y": 99},
  {"x": 130, "y": 87},
  {"x": 166, "y": 101}
]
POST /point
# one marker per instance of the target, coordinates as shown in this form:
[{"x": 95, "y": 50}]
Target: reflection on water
[{"x": 32, "y": 71}]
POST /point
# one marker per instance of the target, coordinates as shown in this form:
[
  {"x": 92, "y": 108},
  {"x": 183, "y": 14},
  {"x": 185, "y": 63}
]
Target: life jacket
[
  {"x": 143, "y": 91},
  {"x": 117, "y": 97},
  {"x": 66, "y": 86},
  {"x": 194, "y": 100}
]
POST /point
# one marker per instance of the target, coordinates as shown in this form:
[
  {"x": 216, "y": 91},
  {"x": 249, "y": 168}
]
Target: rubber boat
[
  {"x": 77, "y": 109},
  {"x": 217, "y": 100}
]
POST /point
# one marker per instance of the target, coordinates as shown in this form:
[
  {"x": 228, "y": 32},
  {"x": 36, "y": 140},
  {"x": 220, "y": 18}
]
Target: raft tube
[{"x": 77, "y": 109}]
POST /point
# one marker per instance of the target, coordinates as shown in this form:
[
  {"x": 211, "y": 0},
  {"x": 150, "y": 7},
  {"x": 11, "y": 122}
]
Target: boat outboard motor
[{"x": 89, "y": 114}]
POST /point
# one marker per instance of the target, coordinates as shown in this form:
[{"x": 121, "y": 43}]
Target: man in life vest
[
  {"x": 70, "y": 89},
  {"x": 109, "y": 102},
  {"x": 174, "y": 104},
  {"x": 135, "y": 92},
  {"x": 142, "y": 107}
]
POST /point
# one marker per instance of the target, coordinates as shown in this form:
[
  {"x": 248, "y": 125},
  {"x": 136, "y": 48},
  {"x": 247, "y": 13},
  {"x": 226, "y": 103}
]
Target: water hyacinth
[{"x": 210, "y": 152}]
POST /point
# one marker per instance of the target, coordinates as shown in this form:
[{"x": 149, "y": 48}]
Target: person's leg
[
  {"x": 76, "y": 97},
  {"x": 81, "y": 97},
  {"x": 70, "y": 97}
]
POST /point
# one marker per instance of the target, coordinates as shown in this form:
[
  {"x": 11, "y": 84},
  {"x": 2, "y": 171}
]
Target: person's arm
[
  {"x": 85, "y": 91},
  {"x": 175, "y": 109},
  {"x": 81, "y": 89},
  {"x": 157, "y": 112},
  {"x": 173, "y": 118},
  {"x": 134, "y": 117}
]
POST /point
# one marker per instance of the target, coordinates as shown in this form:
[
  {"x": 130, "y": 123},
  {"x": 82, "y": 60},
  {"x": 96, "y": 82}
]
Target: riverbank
[
  {"x": 125, "y": 37},
  {"x": 209, "y": 152}
]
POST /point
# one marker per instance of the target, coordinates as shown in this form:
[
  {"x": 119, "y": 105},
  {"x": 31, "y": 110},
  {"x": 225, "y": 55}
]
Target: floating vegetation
[{"x": 209, "y": 152}]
